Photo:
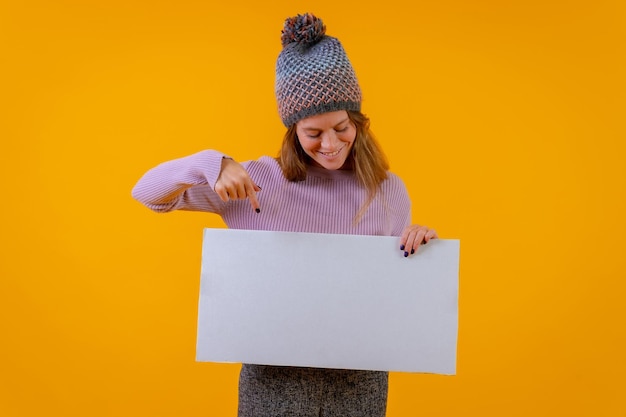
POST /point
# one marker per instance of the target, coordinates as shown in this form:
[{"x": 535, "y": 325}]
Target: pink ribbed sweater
[{"x": 326, "y": 202}]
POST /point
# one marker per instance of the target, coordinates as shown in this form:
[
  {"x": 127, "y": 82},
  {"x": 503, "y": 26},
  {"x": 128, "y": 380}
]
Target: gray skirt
[{"x": 273, "y": 391}]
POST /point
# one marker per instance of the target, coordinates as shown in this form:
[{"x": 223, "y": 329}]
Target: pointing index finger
[{"x": 251, "y": 193}]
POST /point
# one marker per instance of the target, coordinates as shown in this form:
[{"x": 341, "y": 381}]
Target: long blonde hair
[{"x": 366, "y": 158}]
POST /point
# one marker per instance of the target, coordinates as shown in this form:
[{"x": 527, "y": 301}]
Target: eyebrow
[{"x": 315, "y": 129}]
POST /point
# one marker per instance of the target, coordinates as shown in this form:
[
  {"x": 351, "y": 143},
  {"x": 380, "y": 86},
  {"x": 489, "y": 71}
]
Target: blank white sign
[{"x": 328, "y": 301}]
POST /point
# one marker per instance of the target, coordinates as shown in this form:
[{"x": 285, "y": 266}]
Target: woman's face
[{"x": 327, "y": 138}]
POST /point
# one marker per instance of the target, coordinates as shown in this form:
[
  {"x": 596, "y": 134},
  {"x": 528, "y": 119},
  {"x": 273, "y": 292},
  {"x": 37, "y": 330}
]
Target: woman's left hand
[{"x": 414, "y": 236}]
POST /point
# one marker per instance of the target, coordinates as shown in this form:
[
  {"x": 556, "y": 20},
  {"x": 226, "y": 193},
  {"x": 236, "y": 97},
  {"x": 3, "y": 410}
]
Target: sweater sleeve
[{"x": 182, "y": 184}]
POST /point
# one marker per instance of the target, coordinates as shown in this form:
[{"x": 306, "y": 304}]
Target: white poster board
[{"x": 328, "y": 301}]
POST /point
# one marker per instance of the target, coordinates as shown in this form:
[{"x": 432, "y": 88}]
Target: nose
[{"x": 330, "y": 141}]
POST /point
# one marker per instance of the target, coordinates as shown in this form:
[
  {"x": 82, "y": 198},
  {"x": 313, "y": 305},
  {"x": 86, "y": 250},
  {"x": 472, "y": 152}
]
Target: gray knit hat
[{"x": 313, "y": 73}]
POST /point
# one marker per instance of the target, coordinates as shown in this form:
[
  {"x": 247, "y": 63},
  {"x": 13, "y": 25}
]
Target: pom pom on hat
[
  {"x": 303, "y": 29},
  {"x": 313, "y": 72}
]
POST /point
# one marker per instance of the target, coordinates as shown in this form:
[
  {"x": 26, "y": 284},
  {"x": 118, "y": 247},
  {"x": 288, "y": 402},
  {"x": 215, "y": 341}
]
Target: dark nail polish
[
  {"x": 412, "y": 251},
  {"x": 406, "y": 254},
  {"x": 258, "y": 210},
  {"x": 401, "y": 247}
]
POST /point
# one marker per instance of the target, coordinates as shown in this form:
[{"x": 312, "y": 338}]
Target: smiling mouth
[{"x": 331, "y": 154}]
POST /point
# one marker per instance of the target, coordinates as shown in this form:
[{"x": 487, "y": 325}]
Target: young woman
[{"x": 330, "y": 177}]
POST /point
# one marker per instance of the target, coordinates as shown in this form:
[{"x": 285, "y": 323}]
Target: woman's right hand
[{"x": 234, "y": 183}]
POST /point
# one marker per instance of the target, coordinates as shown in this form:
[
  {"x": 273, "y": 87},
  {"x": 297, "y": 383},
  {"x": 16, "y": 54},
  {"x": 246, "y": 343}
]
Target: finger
[
  {"x": 254, "y": 202},
  {"x": 404, "y": 237},
  {"x": 408, "y": 247},
  {"x": 430, "y": 235},
  {"x": 419, "y": 239},
  {"x": 221, "y": 192},
  {"x": 240, "y": 191}
]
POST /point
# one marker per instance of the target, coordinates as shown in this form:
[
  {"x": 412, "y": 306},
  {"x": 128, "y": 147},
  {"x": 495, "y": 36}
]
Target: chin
[{"x": 333, "y": 166}]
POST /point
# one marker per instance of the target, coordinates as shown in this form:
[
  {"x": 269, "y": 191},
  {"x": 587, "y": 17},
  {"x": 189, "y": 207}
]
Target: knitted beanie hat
[{"x": 313, "y": 73}]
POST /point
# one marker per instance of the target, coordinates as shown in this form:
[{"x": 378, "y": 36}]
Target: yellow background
[{"x": 505, "y": 119}]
